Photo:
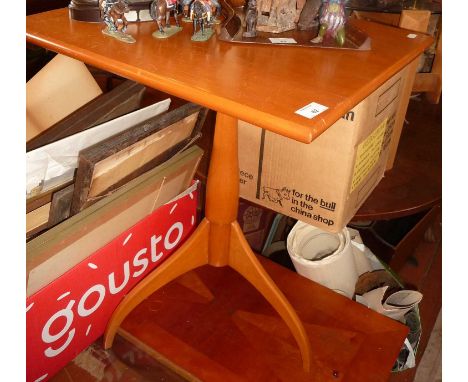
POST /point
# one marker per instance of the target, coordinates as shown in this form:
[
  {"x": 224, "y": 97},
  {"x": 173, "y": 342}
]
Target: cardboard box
[
  {"x": 325, "y": 182},
  {"x": 70, "y": 313}
]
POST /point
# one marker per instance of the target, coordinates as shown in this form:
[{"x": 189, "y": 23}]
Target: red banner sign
[{"x": 69, "y": 314}]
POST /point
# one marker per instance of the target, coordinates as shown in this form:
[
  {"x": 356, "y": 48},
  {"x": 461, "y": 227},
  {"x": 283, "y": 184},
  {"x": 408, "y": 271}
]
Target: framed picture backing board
[{"x": 111, "y": 163}]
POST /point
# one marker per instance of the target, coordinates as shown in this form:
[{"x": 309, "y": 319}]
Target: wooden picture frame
[
  {"x": 39, "y": 209},
  {"x": 60, "y": 205},
  {"x": 37, "y": 220},
  {"x": 45, "y": 197},
  {"x": 111, "y": 163},
  {"x": 121, "y": 100}
]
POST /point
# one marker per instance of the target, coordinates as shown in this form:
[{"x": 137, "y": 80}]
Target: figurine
[
  {"x": 186, "y": 10},
  {"x": 215, "y": 8},
  {"x": 201, "y": 15},
  {"x": 332, "y": 21},
  {"x": 113, "y": 15},
  {"x": 161, "y": 10},
  {"x": 251, "y": 19}
]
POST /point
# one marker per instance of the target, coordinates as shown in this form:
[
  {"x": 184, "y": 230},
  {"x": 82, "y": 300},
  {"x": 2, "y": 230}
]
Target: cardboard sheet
[{"x": 57, "y": 90}]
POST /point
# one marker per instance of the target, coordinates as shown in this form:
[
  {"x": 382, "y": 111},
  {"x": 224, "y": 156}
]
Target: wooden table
[{"x": 262, "y": 85}]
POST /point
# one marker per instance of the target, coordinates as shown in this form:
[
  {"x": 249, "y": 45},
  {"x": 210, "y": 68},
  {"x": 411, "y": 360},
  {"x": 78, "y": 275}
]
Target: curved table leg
[
  {"x": 192, "y": 254},
  {"x": 243, "y": 260}
]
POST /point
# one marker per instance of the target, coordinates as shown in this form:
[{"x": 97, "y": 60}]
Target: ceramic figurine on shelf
[
  {"x": 332, "y": 21},
  {"x": 251, "y": 20},
  {"x": 160, "y": 10},
  {"x": 113, "y": 15},
  {"x": 215, "y": 10},
  {"x": 202, "y": 17},
  {"x": 186, "y": 10}
]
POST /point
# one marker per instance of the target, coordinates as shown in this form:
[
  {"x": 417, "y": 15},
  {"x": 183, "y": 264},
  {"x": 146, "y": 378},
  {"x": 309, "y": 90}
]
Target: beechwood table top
[{"x": 263, "y": 85}]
